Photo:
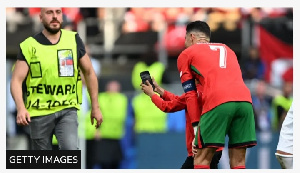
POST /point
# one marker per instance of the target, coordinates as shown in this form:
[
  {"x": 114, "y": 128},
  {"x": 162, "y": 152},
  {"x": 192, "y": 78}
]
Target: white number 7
[{"x": 223, "y": 54}]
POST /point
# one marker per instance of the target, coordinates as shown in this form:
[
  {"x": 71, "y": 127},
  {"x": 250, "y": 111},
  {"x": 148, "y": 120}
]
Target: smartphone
[{"x": 145, "y": 75}]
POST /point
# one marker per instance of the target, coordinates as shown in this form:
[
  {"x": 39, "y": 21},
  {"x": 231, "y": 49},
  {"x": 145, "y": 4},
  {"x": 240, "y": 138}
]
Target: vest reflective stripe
[
  {"x": 156, "y": 70},
  {"x": 114, "y": 110},
  {"x": 283, "y": 102},
  {"x": 53, "y": 82},
  {"x": 148, "y": 118}
]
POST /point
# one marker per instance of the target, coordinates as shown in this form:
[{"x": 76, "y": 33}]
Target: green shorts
[{"x": 235, "y": 119}]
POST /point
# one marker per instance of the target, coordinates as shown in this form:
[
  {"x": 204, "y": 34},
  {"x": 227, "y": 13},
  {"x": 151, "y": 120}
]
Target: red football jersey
[{"x": 216, "y": 67}]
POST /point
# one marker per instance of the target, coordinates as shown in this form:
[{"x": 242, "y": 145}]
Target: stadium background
[{"x": 118, "y": 38}]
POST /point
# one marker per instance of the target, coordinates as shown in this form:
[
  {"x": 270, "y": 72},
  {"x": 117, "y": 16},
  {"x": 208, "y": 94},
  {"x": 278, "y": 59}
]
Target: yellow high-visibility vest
[
  {"x": 114, "y": 110},
  {"x": 156, "y": 70},
  {"x": 53, "y": 82},
  {"x": 148, "y": 118}
]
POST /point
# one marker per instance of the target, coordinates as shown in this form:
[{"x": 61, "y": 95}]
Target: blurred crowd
[
  {"x": 137, "y": 114},
  {"x": 170, "y": 20}
]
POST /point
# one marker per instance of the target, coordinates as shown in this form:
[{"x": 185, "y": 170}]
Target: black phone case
[{"x": 145, "y": 75}]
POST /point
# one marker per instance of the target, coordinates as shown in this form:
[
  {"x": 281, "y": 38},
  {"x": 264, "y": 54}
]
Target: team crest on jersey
[{"x": 66, "y": 63}]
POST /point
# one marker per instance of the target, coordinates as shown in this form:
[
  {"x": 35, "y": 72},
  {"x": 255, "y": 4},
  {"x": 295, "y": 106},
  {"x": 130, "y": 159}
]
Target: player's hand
[
  {"x": 97, "y": 115},
  {"x": 147, "y": 88},
  {"x": 194, "y": 149},
  {"x": 23, "y": 117}
]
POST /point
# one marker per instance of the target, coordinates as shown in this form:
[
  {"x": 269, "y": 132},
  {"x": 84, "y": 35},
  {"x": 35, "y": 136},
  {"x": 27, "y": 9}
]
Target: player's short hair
[{"x": 198, "y": 26}]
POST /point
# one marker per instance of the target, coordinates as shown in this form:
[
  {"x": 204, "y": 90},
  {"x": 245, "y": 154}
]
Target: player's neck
[
  {"x": 199, "y": 42},
  {"x": 203, "y": 41}
]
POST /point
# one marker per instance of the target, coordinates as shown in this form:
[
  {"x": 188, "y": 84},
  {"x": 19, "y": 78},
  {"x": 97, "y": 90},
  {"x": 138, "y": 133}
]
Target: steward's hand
[
  {"x": 97, "y": 115},
  {"x": 23, "y": 117}
]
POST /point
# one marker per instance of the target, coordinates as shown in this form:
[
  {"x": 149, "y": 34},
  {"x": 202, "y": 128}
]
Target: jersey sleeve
[
  {"x": 174, "y": 105},
  {"x": 189, "y": 87},
  {"x": 167, "y": 96}
]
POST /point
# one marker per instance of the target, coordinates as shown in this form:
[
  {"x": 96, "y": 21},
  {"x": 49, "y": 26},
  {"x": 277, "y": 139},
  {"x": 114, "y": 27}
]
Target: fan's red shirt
[
  {"x": 216, "y": 67},
  {"x": 172, "y": 103}
]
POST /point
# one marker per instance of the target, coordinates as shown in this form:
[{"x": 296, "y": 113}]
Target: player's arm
[{"x": 189, "y": 87}]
